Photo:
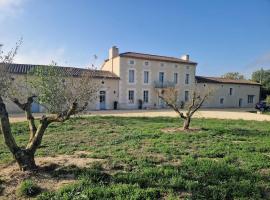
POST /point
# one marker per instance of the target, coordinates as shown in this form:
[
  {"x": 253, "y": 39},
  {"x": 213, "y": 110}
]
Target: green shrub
[
  {"x": 28, "y": 188},
  {"x": 268, "y": 99}
]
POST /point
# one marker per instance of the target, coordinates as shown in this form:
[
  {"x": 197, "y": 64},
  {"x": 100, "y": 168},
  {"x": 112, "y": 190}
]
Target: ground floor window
[
  {"x": 250, "y": 98},
  {"x": 145, "y": 96},
  {"x": 186, "y": 96},
  {"x": 221, "y": 100},
  {"x": 131, "y": 96}
]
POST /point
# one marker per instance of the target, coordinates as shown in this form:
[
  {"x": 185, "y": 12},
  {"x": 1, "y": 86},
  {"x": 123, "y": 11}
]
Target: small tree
[
  {"x": 268, "y": 99},
  {"x": 55, "y": 89},
  {"x": 234, "y": 75},
  {"x": 262, "y": 76},
  {"x": 169, "y": 96}
]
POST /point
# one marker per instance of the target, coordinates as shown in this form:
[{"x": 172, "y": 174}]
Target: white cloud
[
  {"x": 42, "y": 57},
  {"x": 9, "y": 3},
  {"x": 10, "y": 8},
  {"x": 262, "y": 61}
]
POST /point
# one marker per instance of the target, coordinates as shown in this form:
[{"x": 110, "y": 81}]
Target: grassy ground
[
  {"x": 266, "y": 113},
  {"x": 227, "y": 159}
]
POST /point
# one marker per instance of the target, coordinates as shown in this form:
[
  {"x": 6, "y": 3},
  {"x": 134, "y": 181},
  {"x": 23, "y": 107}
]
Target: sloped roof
[
  {"x": 203, "y": 79},
  {"x": 155, "y": 57},
  {"x": 69, "y": 71}
]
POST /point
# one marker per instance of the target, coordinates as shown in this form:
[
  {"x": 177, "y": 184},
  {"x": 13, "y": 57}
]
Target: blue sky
[{"x": 221, "y": 35}]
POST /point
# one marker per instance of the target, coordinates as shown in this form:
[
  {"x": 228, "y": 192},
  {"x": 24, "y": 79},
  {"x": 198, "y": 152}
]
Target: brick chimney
[
  {"x": 185, "y": 57},
  {"x": 113, "y": 52}
]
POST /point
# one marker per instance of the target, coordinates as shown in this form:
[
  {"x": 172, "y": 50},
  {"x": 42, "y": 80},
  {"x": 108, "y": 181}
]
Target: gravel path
[{"x": 209, "y": 113}]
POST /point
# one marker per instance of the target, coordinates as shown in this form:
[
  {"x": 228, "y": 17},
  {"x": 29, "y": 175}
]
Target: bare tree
[
  {"x": 169, "y": 96},
  {"x": 55, "y": 89}
]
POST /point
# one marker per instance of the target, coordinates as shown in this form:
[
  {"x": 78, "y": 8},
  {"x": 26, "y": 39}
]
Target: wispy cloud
[
  {"x": 262, "y": 61},
  {"x": 10, "y": 8},
  {"x": 39, "y": 56}
]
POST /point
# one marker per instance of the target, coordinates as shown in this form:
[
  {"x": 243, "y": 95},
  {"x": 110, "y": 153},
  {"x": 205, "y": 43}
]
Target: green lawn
[
  {"x": 227, "y": 159},
  {"x": 266, "y": 113}
]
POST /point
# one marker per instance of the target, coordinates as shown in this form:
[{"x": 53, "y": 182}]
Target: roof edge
[
  {"x": 218, "y": 80},
  {"x": 124, "y": 54},
  {"x": 25, "y": 67}
]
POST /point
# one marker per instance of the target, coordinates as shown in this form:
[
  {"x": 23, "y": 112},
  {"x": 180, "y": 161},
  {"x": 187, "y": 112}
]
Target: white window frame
[
  {"x": 159, "y": 76},
  {"x": 131, "y": 103},
  {"x": 231, "y": 94},
  {"x": 134, "y": 62},
  {"x": 146, "y": 61},
  {"x": 187, "y": 80},
  {"x": 220, "y": 101},
  {"x": 188, "y": 96},
  {"x": 148, "y": 77},
  {"x": 146, "y": 90},
  {"x": 175, "y": 81},
  {"x": 131, "y": 83},
  {"x": 253, "y": 97}
]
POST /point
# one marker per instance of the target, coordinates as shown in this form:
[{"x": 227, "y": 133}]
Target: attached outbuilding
[
  {"x": 229, "y": 93},
  {"x": 108, "y": 85}
]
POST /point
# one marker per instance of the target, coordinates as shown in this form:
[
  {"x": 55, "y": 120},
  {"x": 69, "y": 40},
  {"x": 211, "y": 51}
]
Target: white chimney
[
  {"x": 113, "y": 52},
  {"x": 185, "y": 57}
]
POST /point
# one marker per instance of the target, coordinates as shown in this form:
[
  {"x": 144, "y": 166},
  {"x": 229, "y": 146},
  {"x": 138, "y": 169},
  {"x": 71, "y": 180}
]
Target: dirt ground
[
  {"x": 12, "y": 177},
  {"x": 244, "y": 114}
]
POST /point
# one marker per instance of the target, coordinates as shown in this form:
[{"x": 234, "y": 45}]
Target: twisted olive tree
[
  {"x": 169, "y": 96},
  {"x": 55, "y": 89}
]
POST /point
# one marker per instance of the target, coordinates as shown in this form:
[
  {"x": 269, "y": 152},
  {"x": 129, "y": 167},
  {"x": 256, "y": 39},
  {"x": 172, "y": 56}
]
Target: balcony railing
[{"x": 165, "y": 84}]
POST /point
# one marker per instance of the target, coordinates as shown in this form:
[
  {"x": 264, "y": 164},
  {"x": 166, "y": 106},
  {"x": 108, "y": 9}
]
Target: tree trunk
[
  {"x": 186, "y": 123},
  {"x": 25, "y": 160}
]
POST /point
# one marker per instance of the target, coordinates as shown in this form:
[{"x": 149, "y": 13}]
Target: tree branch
[
  {"x": 26, "y": 107},
  {"x": 6, "y": 130},
  {"x": 173, "y": 106},
  {"x": 199, "y": 105},
  {"x": 192, "y": 104},
  {"x": 45, "y": 121},
  {"x": 64, "y": 115},
  {"x": 36, "y": 140}
]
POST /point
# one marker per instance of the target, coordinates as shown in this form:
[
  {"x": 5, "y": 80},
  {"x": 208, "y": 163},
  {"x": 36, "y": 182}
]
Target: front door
[
  {"x": 35, "y": 107},
  {"x": 102, "y": 100},
  {"x": 161, "y": 103},
  {"x": 240, "y": 102}
]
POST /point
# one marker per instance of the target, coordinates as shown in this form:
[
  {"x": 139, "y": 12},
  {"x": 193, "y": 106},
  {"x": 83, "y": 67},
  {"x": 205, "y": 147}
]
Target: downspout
[{"x": 112, "y": 65}]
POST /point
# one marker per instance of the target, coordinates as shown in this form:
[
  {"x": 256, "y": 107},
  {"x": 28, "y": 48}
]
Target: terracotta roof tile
[
  {"x": 71, "y": 71},
  {"x": 155, "y": 57},
  {"x": 203, "y": 79}
]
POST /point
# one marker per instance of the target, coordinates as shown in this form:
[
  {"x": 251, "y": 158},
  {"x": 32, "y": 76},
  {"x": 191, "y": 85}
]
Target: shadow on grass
[{"x": 201, "y": 179}]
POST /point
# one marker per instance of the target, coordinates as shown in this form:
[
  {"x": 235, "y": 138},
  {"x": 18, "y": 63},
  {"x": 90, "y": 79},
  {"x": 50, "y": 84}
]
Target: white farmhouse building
[{"x": 127, "y": 78}]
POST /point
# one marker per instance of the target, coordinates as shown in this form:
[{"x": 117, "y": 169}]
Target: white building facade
[
  {"x": 130, "y": 80},
  {"x": 141, "y": 74}
]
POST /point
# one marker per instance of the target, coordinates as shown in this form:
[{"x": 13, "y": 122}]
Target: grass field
[{"x": 227, "y": 159}]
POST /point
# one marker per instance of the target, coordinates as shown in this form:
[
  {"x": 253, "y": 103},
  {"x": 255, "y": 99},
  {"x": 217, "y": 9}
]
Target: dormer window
[
  {"x": 146, "y": 63},
  {"x": 131, "y": 62}
]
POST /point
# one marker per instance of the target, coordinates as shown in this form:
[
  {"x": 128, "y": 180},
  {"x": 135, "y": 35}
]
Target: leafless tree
[
  {"x": 55, "y": 89},
  {"x": 170, "y": 96}
]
